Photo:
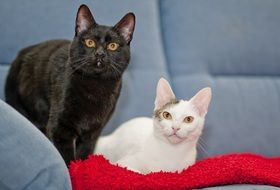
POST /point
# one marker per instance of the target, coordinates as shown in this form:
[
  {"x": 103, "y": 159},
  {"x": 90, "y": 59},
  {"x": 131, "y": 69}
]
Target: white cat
[{"x": 166, "y": 142}]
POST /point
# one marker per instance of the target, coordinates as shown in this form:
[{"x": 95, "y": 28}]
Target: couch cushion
[
  {"x": 23, "y": 24},
  {"x": 235, "y": 37},
  {"x": 232, "y": 46},
  {"x": 28, "y": 160}
]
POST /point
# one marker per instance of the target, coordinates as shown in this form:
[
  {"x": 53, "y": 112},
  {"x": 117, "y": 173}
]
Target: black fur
[{"x": 69, "y": 91}]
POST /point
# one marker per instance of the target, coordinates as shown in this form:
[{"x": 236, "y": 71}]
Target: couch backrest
[{"x": 234, "y": 47}]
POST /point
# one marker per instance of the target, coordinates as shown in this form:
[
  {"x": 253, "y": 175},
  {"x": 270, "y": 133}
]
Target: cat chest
[
  {"x": 90, "y": 108},
  {"x": 170, "y": 159},
  {"x": 92, "y": 100},
  {"x": 88, "y": 112}
]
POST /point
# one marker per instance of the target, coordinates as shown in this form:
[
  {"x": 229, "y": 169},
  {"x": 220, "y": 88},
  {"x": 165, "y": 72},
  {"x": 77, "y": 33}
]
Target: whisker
[
  {"x": 117, "y": 65},
  {"x": 116, "y": 69},
  {"x": 82, "y": 63}
]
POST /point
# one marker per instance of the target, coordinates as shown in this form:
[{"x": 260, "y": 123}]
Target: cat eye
[
  {"x": 90, "y": 43},
  {"x": 166, "y": 115},
  {"x": 113, "y": 46},
  {"x": 188, "y": 119}
]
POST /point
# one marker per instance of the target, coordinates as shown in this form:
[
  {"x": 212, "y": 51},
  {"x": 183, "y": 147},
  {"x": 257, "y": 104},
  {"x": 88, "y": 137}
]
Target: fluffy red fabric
[{"x": 97, "y": 173}]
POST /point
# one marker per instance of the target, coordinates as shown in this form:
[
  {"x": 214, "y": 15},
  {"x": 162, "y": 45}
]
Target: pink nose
[{"x": 176, "y": 129}]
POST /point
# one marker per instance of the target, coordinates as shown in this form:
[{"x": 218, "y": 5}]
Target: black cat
[{"x": 69, "y": 89}]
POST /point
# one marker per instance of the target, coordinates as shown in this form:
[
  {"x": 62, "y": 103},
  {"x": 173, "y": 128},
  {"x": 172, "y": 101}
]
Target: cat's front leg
[
  {"x": 65, "y": 142},
  {"x": 85, "y": 144}
]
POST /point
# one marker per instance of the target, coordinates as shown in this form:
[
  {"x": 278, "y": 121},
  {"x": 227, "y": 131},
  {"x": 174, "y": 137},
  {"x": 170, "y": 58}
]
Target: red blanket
[{"x": 97, "y": 173}]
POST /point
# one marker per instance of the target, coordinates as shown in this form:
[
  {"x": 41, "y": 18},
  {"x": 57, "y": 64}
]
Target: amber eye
[
  {"x": 188, "y": 119},
  {"x": 112, "y": 46},
  {"x": 90, "y": 43},
  {"x": 166, "y": 115}
]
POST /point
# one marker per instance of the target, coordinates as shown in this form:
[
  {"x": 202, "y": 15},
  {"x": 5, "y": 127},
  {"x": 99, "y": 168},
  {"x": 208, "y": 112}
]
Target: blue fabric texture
[
  {"x": 242, "y": 187},
  {"x": 28, "y": 160},
  {"x": 232, "y": 46}
]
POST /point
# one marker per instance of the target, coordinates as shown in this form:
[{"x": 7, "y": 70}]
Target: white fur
[{"x": 149, "y": 145}]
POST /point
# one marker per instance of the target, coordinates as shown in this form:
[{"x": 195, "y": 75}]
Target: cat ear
[
  {"x": 84, "y": 19},
  {"x": 164, "y": 94},
  {"x": 201, "y": 100},
  {"x": 126, "y": 27}
]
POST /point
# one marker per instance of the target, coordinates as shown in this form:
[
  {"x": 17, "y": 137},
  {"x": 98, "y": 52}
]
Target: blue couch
[{"x": 232, "y": 46}]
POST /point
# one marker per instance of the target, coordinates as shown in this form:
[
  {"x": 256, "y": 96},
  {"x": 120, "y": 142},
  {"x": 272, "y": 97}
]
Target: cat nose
[
  {"x": 100, "y": 53},
  {"x": 175, "y": 129}
]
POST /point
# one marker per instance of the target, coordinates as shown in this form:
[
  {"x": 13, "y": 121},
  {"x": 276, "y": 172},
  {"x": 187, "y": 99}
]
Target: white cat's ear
[
  {"x": 126, "y": 27},
  {"x": 201, "y": 100},
  {"x": 84, "y": 19},
  {"x": 164, "y": 94}
]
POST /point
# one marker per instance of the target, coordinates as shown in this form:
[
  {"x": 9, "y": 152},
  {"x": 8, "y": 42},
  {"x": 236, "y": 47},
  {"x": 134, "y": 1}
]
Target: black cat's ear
[
  {"x": 126, "y": 27},
  {"x": 84, "y": 19}
]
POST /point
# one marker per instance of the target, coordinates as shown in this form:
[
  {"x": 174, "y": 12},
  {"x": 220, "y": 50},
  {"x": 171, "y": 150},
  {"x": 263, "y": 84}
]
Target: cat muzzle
[
  {"x": 175, "y": 135},
  {"x": 99, "y": 63}
]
